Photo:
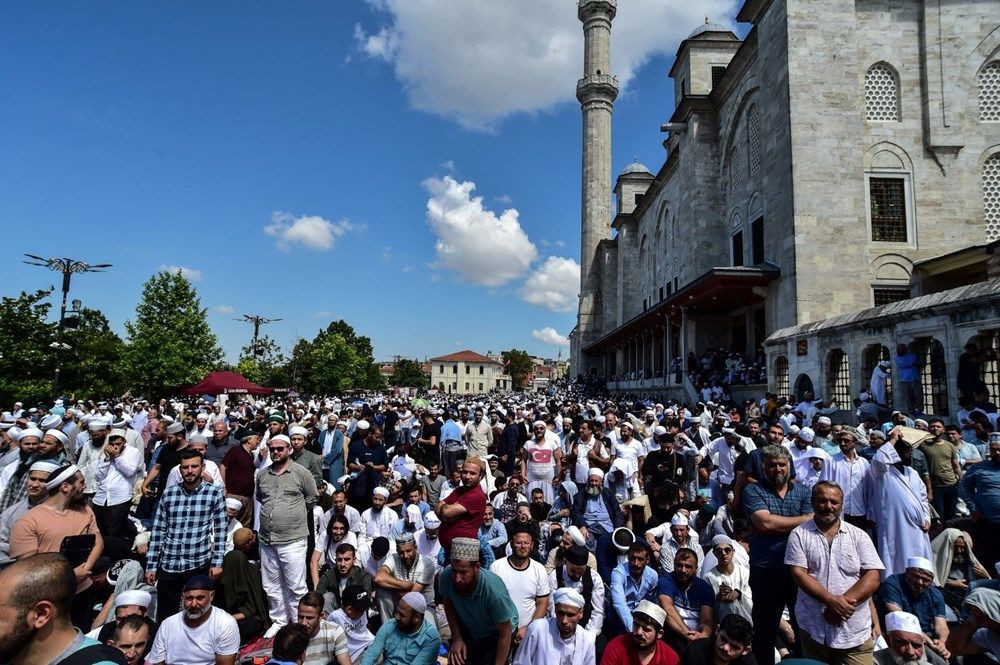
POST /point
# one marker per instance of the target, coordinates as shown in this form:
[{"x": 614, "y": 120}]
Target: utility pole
[
  {"x": 67, "y": 267},
  {"x": 257, "y": 321}
]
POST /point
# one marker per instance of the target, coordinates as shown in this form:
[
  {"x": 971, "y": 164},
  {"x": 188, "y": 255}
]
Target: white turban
[
  {"x": 292, "y": 431},
  {"x": 59, "y": 435},
  {"x": 235, "y": 504},
  {"x": 133, "y": 597},
  {"x": 568, "y": 596},
  {"x": 538, "y": 423},
  {"x": 903, "y": 622},
  {"x": 920, "y": 563},
  {"x": 362, "y": 425},
  {"x": 577, "y": 535},
  {"x": 32, "y": 431},
  {"x": 57, "y": 478},
  {"x": 381, "y": 491},
  {"x": 595, "y": 472},
  {"x": 45, "y": 466},
  {"x": 49, "y": 420},
  {"x": 280, "y": 437}
]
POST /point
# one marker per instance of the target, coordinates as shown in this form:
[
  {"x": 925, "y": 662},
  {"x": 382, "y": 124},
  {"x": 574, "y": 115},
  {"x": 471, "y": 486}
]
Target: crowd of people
[{"x": 572, "y": 528}]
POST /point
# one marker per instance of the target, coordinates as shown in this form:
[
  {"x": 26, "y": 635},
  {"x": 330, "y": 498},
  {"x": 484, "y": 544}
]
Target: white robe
[
  {"x": 899, "y": 509},
  {"x": 543, "y": 644},
  {"x": 877, "y": 386}
]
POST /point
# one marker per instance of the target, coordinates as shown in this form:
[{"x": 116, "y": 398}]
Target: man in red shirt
[
  {"x": 462, "y": 512},
  {"x": 645, "y": 646}
]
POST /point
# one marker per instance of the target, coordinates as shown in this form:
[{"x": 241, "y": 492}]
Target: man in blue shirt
[
  {"x": 688, "y": 601},
  {"x": 774, "y": 507},
  {"x": 913, "y": 591},
  {"x": 631, "y": 583},
  {"x": 408, "y": 638},
  {"x": 452, "y": 447},
  {"x": 908, "y": 378},
  {"x": 980, "y": 489}
]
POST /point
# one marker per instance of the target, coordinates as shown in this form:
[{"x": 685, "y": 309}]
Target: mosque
[{"x": 830, "y": 187}]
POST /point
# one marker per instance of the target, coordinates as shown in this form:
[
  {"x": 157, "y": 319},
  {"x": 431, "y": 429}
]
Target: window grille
[
  {"x": 991, "y": 196},
  {"x": 717, "y": 74},
  {"x": 888, "y": 209},
  {"x": 735, "y": 170},
  {"x": 990, "y": 367},
  {"x": 885, "y": 296},
  {"x": 933, "y": 378},
  {"x": 781, "y": 376},
  {"x": 839, "y": 373},
  {"x": 989, "y": 92},
  {"x": 753, "y": 138},
  {"x": 881, "y": 94}
]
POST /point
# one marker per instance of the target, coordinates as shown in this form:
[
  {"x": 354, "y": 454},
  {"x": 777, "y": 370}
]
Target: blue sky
[{"x": 286, "y": 154}]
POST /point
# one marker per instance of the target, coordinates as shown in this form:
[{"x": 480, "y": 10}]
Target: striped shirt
[{"x": 189, "y": 529}]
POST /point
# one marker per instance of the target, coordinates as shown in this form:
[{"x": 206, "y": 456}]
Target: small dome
[
  {"x": 708, "y": 27},
  {"x": 635, "y": 167}
]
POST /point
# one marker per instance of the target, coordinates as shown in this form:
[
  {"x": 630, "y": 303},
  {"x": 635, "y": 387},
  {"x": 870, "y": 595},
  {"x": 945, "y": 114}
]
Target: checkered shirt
[{"x": 188, "y": 530}]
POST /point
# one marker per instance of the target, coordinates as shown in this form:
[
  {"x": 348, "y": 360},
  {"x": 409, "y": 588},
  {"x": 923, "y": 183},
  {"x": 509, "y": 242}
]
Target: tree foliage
[
  {"x": 170, "y": 341},
  {"x": 337, "y": 359},
  {"x": 27, "y": 362},
  {"x": 519, "y": 365},
  {"x": 263, "y": 364},
  {"x": 408, "y": 373},
  {"x": 93, "y": 364}
]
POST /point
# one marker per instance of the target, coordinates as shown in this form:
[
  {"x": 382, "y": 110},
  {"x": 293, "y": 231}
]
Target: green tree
[
  {"x": 332, "y": 366},
  {"x": 92, "y": 367},
  {"x": 27, "y": 362},
  {"x": 408, "y": 373},
  {"x": 264, "y": 365},
  {"x": 519, "y": 366},
  {"x": 170, "y": 342}
]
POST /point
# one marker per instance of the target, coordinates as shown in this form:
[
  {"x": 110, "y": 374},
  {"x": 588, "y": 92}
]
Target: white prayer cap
[
  {"x": 722, "y": 539},
  {"x": 626, "y": 423},
  {"x": 31, "y": 431},
  {"x": 99, "y": 423},
  {"x": 679, "y": 519},
  {"x": 133, "y": 597},
  {"x": 280, "y": 437},
  {"x": 920, "y": 563},
  {"x": 63, "y": 439},
  {"x": 45, "y": 466},
  {"x": 14, "y": 433},
  {"x": 653, "y": 611},
  {"x": 728, "y": 430},
  {"x": 61, "y": 475},
  {"x": 599, "y": 419},
  {"x": 416, "y": 601},
  {"x": 381, "y": 491},
  {"x": 235, "y": 504},
  {"x": 577, "y": 535},
  {"x": 49, "y": 421},
  {"x": 660, "y": 430},
  {"x": 538, "y": 423},
  {"x": 431, "y": 520},
  {"x": 362, "y": 424},
  {"x": 650, "y": 412},
  {"x": 567, "y": 596},
  {"x": 823, "y": 420},
  {"x": 234, "y": 414},
  {"x": 818, "y": 453},
  {"x": 595, "y": 472},
  {"x": 921, "y": 421},
  {"x": 292, "y": 431},
  {"x": 807, "y": 435},
  {"x": 198, "y": 438},
  {"x": 903, "y": 622},
  {"x": 413, "y": 512}
]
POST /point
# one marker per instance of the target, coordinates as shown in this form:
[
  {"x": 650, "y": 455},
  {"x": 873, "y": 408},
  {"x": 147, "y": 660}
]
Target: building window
[
  {"x": 885, "y": 295},
  {"x": 454, "y": 385},
  {"x": 684, "y": 87},
  {"x": 466, "y": 386},
  {"x": 441, "y": 369},
  {"x": 480, "y": 387},
  {"x": 717, "y": 74},
  {"x": 753, "y": 139},
  {"x": 738, "y": 248},
  {"x": 887, "y": 201},
  {"x": 757, "y": 241},
  {"x": 468, "y": 370},
  {"x": 661, "y": 293},
  {"x": 638, "y": 198},
  {"x": 735, "y": 169},
  {"x": 882, "y": 93},
  {"x": 991, "y": 196},
  {"x": 989, "y": 92},
  {"x": 480, "y": 370},
  {"x": 838, "y": 374},
  {"x": 933, "y": 378},
  {"x": 871, "y": 357},
  {"x": 454, "y": 369},
  {"x": 781, "y": 376}
]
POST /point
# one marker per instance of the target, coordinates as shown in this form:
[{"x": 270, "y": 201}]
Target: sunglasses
[
  {"x": 276, "y": 449},
  {"x": 722, "y": 550}
]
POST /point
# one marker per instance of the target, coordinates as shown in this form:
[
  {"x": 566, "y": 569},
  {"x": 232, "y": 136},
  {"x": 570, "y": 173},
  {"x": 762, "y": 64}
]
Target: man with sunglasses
[
  {"x": 731, "y": 582},
  {"x": 286, "y": 492}
]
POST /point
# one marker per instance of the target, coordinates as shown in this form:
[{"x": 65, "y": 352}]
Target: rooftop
[{"x": 465, "y": 356}]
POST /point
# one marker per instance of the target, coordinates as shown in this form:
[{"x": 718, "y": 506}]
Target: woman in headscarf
[{"x": 955, "y": 566}]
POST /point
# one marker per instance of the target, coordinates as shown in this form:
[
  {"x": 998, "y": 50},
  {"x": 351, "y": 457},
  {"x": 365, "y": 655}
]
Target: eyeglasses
[
  {"x": 276, "y": 449},
  {"x": 722, "y": 550}
]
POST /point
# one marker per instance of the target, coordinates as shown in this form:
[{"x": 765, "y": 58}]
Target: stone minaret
[{"x": 596, "y": 91}]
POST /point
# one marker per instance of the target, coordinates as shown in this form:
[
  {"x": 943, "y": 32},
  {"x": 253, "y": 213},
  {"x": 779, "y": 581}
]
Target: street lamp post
[{"x": 67, "y": 267}]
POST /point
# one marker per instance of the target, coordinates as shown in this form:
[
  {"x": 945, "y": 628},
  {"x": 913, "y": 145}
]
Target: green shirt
[
  {"x": 941, "y": 458},
  {"x": 489, "y": 604},
  {"x": 283, "y": 499}
]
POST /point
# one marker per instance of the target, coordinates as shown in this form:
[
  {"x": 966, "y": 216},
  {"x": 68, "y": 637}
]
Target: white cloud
[
  {"x": 505, "y": 199},
  {"x": 473, "y": 241},
  {"x": 311, "y": 231},
  {"x": 548, "y": 335},
  {"x": 223, "y": 309},
  {"x": 386, "y": 254},
  {"x": 323, "y": 314},
  {"x": 501, "y": 58},
  {"x": 555, "y": 285},
  {"x": 191, "y": 274},
  {"x": 448, "y": 165}
]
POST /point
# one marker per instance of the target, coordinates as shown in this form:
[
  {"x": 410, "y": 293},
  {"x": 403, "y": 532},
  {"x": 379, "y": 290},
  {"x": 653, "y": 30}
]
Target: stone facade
[{"x": 780, "y": 151}]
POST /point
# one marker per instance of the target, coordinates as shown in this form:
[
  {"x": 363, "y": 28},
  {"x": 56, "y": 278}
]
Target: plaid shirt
[{"x": 189, "y": 528}]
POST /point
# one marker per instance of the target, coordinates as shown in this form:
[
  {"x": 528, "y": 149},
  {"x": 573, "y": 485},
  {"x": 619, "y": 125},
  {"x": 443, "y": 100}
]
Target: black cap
[
  {"x": 199, "y": 583},
  {"x": 380, "y": 547},
  {"x": 357, "y": 597},
  {"x": 577, "y": 555}
]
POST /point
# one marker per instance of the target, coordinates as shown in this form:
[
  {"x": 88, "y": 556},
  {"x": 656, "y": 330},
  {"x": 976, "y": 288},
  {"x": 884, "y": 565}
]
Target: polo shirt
[
  {"x": 767, "y": 551},
  {"x": 690, "y": 601},
  {"x": 621, "y": 651},
  {"x": 926, "y": 607},
  {"x": 487, "y": 605}
]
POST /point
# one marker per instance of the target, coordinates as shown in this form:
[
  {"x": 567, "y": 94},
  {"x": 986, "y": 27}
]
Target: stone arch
[
  {"x": 892, "y": 268},
  {"x": 780, "y": 374},
  {"x": 746, "y": 96},
  {"x": 803, "y": 385},
  {"x": 644, "y": 264},
  {"x": 756, "y": 206},
  {"x": 875, "y": 159}
]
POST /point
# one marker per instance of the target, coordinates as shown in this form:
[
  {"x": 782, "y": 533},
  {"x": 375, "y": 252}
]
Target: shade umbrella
[{"x": 419, "y": 402}]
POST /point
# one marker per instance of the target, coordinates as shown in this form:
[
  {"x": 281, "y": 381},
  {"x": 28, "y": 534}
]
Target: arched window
[
  {"x": 736, "y": 240},
  {"x": 781, "y": 376},
  {"x": 753, "y": 139},
  {"x": 990, "y": 367},
  {"x": 871, "y": 357},
  {"x": 991, "y": 196},
  {"x": 838, "y": 377},
  {"x": 735, "y": 169},
  {"x": 989, "y": 92},
  {"x": 933, "y": 378},
  {"x": 882, "y": 93}
]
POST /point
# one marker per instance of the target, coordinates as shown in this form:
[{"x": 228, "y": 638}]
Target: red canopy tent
[{"x": 226, "y": 383}]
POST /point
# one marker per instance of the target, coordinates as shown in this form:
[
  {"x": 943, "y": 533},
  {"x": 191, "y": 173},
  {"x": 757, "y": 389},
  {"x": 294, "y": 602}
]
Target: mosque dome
[
  {"x": 635, "y": 167},
  {"x": 708, "y": 27}
]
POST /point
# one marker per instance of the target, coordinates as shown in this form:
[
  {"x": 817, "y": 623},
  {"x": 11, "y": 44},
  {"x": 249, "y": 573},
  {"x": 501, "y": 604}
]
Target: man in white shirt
[
  {"x": 728, "y": 447},
  {"x": 117, "y": 469},
  {"x": 526, "y": 580},
  {"x": 577, "y": 575},
  {"x": 850, "y": 471},
  {"x": 211, "y": 474},
  {"x": 404, "y": 571},
  {"x": 730, "y": 582},
  {"x": 378, "y": 520},
  {"x": 199, "y": 634},
  {"x": 353, "y": 618}
]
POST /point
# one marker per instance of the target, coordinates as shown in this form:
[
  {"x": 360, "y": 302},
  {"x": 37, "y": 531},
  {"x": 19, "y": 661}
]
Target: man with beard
[
  {"x": 850, "y": 471},
  {"x": 644, "y": 642},
  {"x": 368, "y": 459},
  {"x": 342, "y": 574},
  {"x": 597, "y": 514},
  {"x": 478, "y": 435},
  {"x": 378, "y": 520},
  {"x": 480, "y": 612},
  {"x": 169, "y": 455},
  {"x": 35, "y": 599},
  {"x": 409, "y": 638},
  {"x": 117, "y": 468},
  {"x": 559, "y": 639},
  {"x": 906, "y": 643},
  {"x": 327, "y": 640},
  {"x": 981, "y": 491},
  {"x": 836, "y": 568},
  {"x": 310, "y": 460},
  {"x": 198, "y": 635},
  {"x": 63, "y": 513},
  {"x": 38, "y": 473},
  {"x": 578, "y": 576},
  {"x": 774, "y": 508},
  {"x": 541, "y": 461},
  {"x": 462, "y": 511},
  {"x": 729, "y": 646},
  {"x": 687, "y": 599},
  {"x": 404, "y": 571},
  {"x": 913, "y": 591},
  {"x": 91, "y": 452},
  {"x": 286, "y": 492},
  {"x": 188, "y": 536},
  {"x": 238, "y": 468},
  {"x": 428, "y": 543},
  {"x": 526, "y": 580},
  {"x": 221, "y": 443},
  {"x": 14, "y": 476}
]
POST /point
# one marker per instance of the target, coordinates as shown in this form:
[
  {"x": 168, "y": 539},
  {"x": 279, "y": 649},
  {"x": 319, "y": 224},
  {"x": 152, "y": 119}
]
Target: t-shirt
[
  {"x": 433, "y": 488},
  {"x": 422, "y": 573},
  {"x": 488, "y": 605},
  {"x": 326, "y": 645},
  {"x": 219, "y": 635},
  {"x": 621, "y": 651},
  {"x": 926, "y": 607},
  {"x": 240, "y": 470},
  {"x": 42, "y": 529},
  {"x": 359, "y": 637},
  {"x": 702, "y": 652},
  {"x": 467, "y": 526},
  {"x": 523, "y": 586},
  {"x": 940, "y": 456},
  {"x": 540, "y": 459},
  {"x": 985, "y": 638},
  {"x": 361, "y": 453},
  {"x": 687, "y": 602}
]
